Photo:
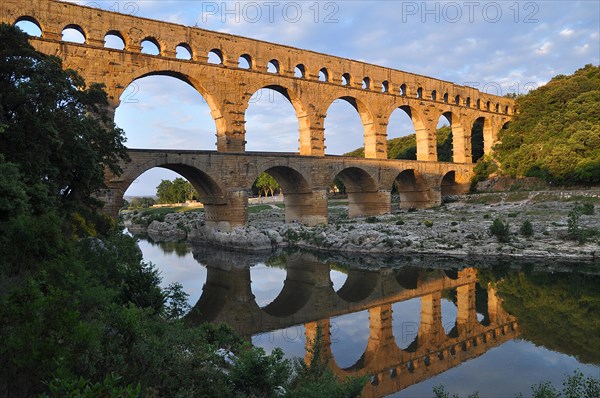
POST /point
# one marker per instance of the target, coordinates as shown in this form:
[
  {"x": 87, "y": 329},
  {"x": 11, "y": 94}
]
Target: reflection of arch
[
  {"x": 407, "y": 277},
  {"x": 298, "y": 287},
  {"x": 359, "y": 285}
]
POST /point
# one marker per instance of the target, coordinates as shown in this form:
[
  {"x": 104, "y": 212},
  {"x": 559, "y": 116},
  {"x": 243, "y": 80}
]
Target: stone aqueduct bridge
[
  {"x": 308, "y": 298},
  {"x": 310, "y": 81}
]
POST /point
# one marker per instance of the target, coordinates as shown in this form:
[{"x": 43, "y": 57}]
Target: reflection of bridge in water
[{"x": 308, "y": 298}]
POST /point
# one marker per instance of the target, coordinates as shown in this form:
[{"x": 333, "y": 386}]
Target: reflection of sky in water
[
  {"x": 449, "y": 312},
  {"x": 173, "y": 268},
  {"x": 267, "y": 282},
  {"x": 349, "y": 337},
  {"x": 405, "y": 322},
  {"x": 510, "y": 368},
  {"x": 338, "y": 278}
]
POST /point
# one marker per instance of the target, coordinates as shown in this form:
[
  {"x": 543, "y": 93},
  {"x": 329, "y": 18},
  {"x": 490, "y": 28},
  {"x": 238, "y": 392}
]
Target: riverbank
[{"x": 460, "y": 228}]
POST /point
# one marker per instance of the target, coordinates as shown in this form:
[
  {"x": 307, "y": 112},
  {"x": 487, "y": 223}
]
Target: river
[{"x": 409, "y": 324}]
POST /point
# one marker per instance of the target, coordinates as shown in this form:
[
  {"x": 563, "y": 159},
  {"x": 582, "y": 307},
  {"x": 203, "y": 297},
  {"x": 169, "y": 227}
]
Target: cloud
[{"x": 566, "y": 32}]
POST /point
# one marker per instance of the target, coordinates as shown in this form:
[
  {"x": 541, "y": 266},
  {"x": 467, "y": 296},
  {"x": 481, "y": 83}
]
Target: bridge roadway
[
  {"x": 224, "y": 182},
  {"x": 308, "y": 298}
]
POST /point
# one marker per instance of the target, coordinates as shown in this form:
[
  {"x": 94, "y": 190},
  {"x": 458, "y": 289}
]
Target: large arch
[
  {"x": 413, "y": 189},
  {"x": 425, "y": 141},
  {"x": 301, "y": 203},
  {"x": 461, "y": 142},
  {"x": 215, "y": 109},
  {"x": 367, "y": 120},
  {"x": 303, "y": 121},
  {"x": 364, "y": 196}
]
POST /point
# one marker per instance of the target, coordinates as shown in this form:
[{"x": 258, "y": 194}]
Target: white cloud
[
  {"x": 567, "y": 32},
  {"x": 544, "y": 48}
]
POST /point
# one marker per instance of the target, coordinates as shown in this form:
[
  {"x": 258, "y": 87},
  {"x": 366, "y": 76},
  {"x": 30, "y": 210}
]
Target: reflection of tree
[
  {"x": 557, "y": 311},
  {"x": 181, "y": 249}
]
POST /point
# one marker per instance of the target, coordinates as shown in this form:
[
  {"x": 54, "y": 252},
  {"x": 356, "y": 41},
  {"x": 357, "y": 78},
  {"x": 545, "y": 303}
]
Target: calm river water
[{"x": 408, "y": 324}]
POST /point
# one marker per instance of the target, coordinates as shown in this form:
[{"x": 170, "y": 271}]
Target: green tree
[
  {"x": 54, "y": 127},
  {"x": 266, "y": 184},
  {"x": 556, "y": 134},
  {"x": 176, "y": 191}
]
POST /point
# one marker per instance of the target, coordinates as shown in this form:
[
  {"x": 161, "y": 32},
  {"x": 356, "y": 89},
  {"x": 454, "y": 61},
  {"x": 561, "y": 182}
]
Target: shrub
[
  {"x": 587, "y": 209},
  {"x": 371, "y": 219},
  {"x": 400, "y": 222},
  {"x": 500, "y": 230},
  {"x": 526, "y": 228},
  {"x": 428, "y": 223}
]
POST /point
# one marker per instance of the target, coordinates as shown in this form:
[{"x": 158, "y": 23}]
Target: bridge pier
[
  {"x": 225, "y": 216},
  {"x": 361, "y": 204},
  {"x": 306, "y": 208}
]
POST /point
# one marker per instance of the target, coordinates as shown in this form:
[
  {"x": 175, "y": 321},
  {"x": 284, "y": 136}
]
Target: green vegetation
[
  {"x": 526, "y": 229},
  {"x": 556, "y": 134},
  {"x": 266, "y": 185},
  {"x": 500, "y": 230},
  {"x": 556, "y": 311},
  {"x": 577, "y": 232},
  {"x": 176, "y": 191},
  {"x": 82, "y": 315},
  {"x": 141, "y": 203},
  {"x": 575, "y": 386},
  {"x": 406, "y": 147}
]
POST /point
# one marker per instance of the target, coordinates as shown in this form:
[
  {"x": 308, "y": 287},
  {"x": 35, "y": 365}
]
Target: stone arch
[
  {"x": 366, "y": 117},
  {"x": 366, "y": 83},
  {"x": 273, "y": 66},
  {"x": 346, "y": 80},
  {"x": 385, "y": 86},
  {"x": 364, "y": 196},
  {"x": 482, "y": 138},
  {"x": 118, "y": 34},
  {"x": 413, "y": 189},
  {"x": 30, "y": 19},
  {"x": 324, "y": 75},
  {"x": 219, "y": 54},
  {"x": 211, "y": 100},
  {"x": 185, "y": 46},
  {"x": 461, "y": 140},
  {"x": 297, "y": 192},
  {"x": 449, "y": 184},
  {"x": 153, "y": 40},
  {"x": 426, "y": 149},
  {"x": 77, "y": 28},
  {"x": 300, "y": 71},
  {"x": 247, "y": 58},
  {"x": 297, "y": 103}
]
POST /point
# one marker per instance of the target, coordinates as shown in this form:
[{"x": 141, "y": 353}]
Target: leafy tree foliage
[
  {"x": 53, "y": 126},
  {"x": 406, "y": 147},
  {"x": 82, "y": 314},
  {"x": 556, "y": 134},
  {"x": 266, "y": 185},
  {"x": 176, "y": 191},
  {"x": 141, "y": 203}
]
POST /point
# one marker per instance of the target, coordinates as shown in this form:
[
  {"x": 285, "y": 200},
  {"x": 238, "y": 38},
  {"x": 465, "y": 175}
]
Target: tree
[
  {"x": 54, "y": 127},
  {"x": 176, "y": 191},
  {"x": 266, "y": 184}
]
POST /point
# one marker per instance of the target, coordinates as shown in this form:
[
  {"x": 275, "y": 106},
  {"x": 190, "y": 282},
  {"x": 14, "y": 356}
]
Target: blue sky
[{"x": 510, "y": 45}]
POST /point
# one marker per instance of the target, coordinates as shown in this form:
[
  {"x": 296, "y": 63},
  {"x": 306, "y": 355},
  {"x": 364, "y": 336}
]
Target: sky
[{"x": 507, "y": 46}]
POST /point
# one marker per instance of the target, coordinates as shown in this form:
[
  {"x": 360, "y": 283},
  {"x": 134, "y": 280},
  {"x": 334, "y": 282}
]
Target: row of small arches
[{"x": 115, "y": 40}]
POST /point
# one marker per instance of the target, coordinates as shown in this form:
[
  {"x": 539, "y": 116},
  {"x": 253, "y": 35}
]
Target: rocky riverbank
[{"x": 458, "y": 229}]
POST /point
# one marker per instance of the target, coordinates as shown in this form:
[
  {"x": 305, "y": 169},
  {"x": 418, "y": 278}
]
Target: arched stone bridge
[
  {"x": 310, "y": 81},
  {"x": 224, "y": 182},
  {"x": 308, "y": 298}
]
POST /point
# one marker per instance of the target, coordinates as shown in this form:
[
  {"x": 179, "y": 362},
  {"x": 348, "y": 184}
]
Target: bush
[
  {"x": 500, "y": 230},
  {"x": 526, "y": 228},
  {"x": 371, "y": 219},
  {"x": 428, "y": 223}
]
